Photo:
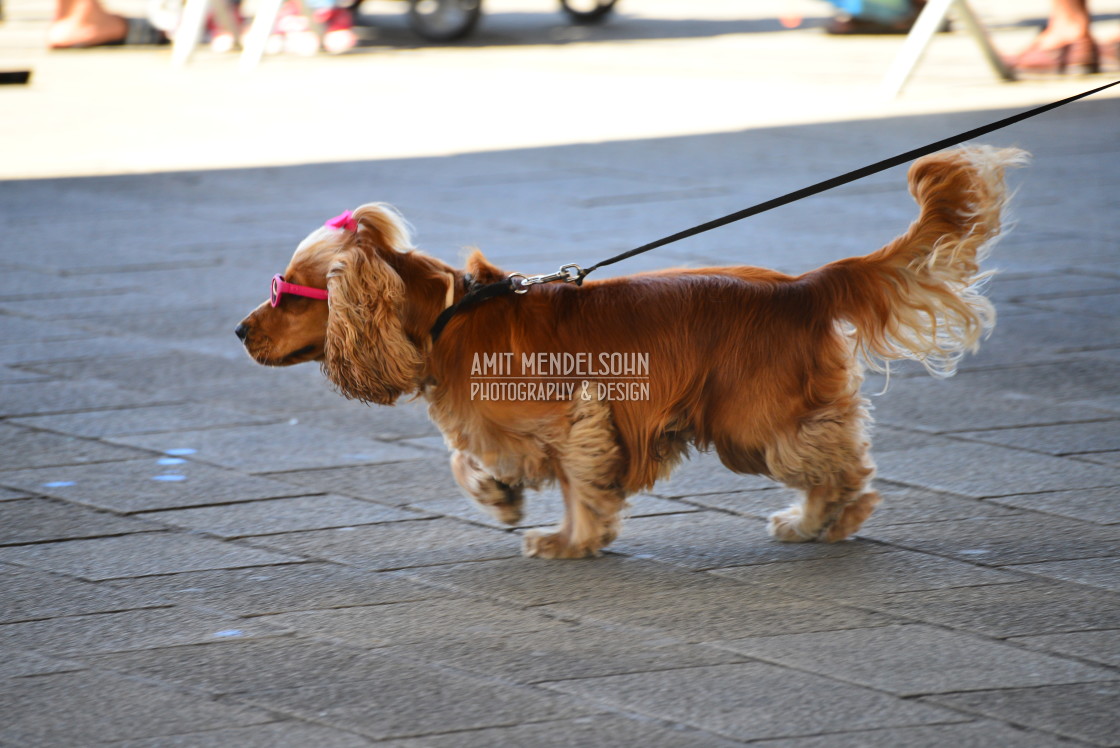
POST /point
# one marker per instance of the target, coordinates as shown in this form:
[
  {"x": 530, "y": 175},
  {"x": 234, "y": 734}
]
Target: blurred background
[{"x": 525, "y": 76}]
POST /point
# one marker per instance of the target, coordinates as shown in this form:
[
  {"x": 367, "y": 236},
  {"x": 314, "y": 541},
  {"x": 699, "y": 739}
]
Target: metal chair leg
[{"x": 928, "y": 22}]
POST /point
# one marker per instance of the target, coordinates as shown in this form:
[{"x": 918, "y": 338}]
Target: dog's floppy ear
[
  {"x": 381, "y": 227},
  {"x": 367, "y": 354}
]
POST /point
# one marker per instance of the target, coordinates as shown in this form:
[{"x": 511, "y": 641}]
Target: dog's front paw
[
  {"x": 545, "y": 544},
  {"x": 786, "y": 526},
  {"x": 501, "y": 501}
]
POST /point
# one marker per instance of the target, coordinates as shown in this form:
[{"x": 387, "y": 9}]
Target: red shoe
[
  {"x": 1082, "y": 56},
  {"x": 338, "y": 34}
]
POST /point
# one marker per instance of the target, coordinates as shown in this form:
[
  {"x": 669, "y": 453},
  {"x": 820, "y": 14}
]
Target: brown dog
[{"x": 762, "y": 367}]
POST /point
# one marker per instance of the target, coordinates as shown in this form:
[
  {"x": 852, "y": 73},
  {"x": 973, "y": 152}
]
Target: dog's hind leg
[
  {"x": 828, "y": 459},
  {"x": 500, "y": 500},
  {"x": 588, "y": 465}
]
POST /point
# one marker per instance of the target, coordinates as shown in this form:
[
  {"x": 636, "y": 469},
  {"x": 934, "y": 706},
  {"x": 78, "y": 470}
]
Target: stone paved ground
[{"x": 197, "y": 551}]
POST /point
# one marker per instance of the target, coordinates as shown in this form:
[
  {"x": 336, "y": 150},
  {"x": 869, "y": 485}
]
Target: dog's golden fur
[{"x": 762, "y": 367}]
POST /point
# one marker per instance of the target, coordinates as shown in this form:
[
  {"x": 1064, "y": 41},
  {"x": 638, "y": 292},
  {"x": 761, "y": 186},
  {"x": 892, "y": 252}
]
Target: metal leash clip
[{"x": 571, "y": 273}]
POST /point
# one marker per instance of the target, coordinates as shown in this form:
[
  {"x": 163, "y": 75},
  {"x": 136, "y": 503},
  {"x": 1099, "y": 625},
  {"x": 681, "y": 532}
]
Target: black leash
[{"x": 518, "y": 283}]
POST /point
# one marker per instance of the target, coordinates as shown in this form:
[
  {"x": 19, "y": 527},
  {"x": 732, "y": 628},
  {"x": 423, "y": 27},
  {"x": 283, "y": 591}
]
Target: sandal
[{"x": 1082, "y": 56}]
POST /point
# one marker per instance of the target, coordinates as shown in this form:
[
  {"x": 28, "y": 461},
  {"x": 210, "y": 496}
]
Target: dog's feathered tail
[{"x": 920, "y": 297}]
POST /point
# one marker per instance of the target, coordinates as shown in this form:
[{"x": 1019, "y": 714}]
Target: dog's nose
[{"x": 241, "y": 331}]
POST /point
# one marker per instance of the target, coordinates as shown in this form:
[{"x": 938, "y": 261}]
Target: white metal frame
[
  {"x": 192, "y": 25},
  {"x": 931, "y": 18}
]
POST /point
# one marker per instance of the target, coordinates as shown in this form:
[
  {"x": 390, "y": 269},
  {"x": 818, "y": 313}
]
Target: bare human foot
[{"x": 84, "y": 23}]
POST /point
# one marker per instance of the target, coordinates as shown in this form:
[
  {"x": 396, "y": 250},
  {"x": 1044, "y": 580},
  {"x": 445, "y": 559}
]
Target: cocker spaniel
[{"x": 604, "y": 387}]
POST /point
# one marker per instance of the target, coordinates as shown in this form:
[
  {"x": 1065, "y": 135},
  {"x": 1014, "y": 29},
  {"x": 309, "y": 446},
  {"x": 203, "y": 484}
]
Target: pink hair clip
[{"x": 343, "y": 220}]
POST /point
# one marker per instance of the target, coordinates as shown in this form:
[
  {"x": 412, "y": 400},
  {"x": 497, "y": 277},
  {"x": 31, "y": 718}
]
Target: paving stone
[
  {"x": 1062, "y": 439},
  {"x": 19, "y": 282},
  {"x": 271, "y": 516},
  {"x": 1094, "y": 384},
  {"x": 1030, "y": 287},
  {"x": 317, "y": 407},
  {"x": 20, "y": 328},
  {"x": 154, "y": 419},
  {"x": 905, "y": 504},
  {"x": 895, "y": 659},
  {"x": 1030, "y": 336},
  {"x": 1002, "y": 610},
  {"x": 403, "y": 700},
  {"x": 608, "y": 729},
  {"x": 982, "y": 471},
  {"x": 706, "y": 615},
  {"x": 82, "y": 636},
  {"x": 583, "y": 651},
  {"x": 1112, "y": 458},
  {"x": 27, "y": 595},
  {"x": 1086, "y": 712},
  {"x": 101, "y": 707},
  {"x": 169, "y": 322},
  {"x": 6, "y": 494},
  {"x": 241, "y": 665},
  {"x": 979, "y": 734},
  {"x": 138, "y": 555},
  {"x": 1102, "y": 354},
  {"x": 23, "y": 448},
  {"x": 704, "y": 473},
  {"x": 1096, "y": 646},
  {"x": 9, "y": 375},
  {"x": 1004, "y": 540},
  {"x": 1104, "y": 305},
  {"x": 851, "y": 577},
  {"x": 543, "y": 509},
  {"x": 38, "y": 520},
  {"x": 432, "y": 443},
  {"x": 711, "y": 540},
  {"x": 919, "y": 403},
  {"x": 397, "y": 545},
  {"x": 75, "y": 308},
  {"x": 291, "y": 734},
  {"x": 401, "y": 421},
  {"x": 395, "y": 483},
  {"x": 21, "y": 663},
  {"x": 745, "y": 701},
  {"x": 278, "y": 447},
  {"x": 900, "y": 505},
  {"x": 757, "y": 504},
  {"x": 144, "y": 485},
  {"x": 1096, "y": 572},
  {"x": 279, "y": 589},
  {"x": 892, "y": 439},
  {"x": 529, "y": 581},
  {"x": 170, "y": 371},
  {"x": 31, "y": 352},
  {"x": 440, "y": 619},
  {"x": 53, "y": 396},
  {"x": 1100, "y": 505}
]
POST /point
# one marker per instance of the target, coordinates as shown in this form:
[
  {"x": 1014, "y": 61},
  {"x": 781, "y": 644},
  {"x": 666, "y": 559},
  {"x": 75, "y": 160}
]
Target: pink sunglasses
[
  {"x": 344, "y": 221},
  {"x": 281, "y": 287}
]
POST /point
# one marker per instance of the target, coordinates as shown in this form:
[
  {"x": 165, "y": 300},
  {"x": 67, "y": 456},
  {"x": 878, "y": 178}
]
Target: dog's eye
[{"x": 294, "y": 304}]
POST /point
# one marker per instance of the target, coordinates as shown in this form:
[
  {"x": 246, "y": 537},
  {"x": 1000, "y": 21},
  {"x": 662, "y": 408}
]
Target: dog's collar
[{"x": 473, "y": 293}]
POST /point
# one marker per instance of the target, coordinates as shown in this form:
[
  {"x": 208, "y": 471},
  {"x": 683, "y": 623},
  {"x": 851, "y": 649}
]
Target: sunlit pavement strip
[
  {"x": 198, "y": 549},
  {"x": 661, "y": 68}
]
